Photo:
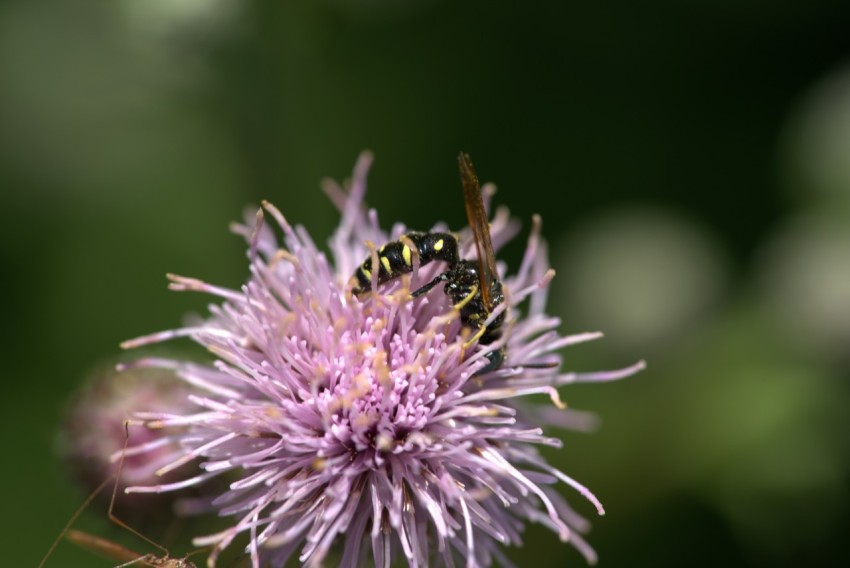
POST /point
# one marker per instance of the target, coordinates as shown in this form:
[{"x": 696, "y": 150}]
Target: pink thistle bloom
[
  {"x": 93, "y": 433},
  {"x": 362, "y": 422}
]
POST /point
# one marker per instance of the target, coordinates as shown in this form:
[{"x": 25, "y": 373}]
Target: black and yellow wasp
[{"x": 472, "y": 285}]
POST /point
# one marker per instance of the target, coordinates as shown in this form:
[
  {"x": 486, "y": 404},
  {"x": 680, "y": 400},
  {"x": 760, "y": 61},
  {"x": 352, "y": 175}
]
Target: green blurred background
[{"x": 691, "y": 161}]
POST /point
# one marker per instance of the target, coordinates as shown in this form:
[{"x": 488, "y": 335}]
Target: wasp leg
[
  {"x": 459, "y": 306},
  {"x": 430, "y": 285},
  {"x": 475, "y": 337},
  {"x": 468, "y": 298},
  {"x": 494, "y": 361}
]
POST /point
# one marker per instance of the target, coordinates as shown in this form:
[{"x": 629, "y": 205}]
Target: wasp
[{"x": 472, "y": 285}]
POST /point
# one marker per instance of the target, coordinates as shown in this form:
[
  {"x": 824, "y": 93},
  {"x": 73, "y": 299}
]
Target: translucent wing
[{"x": 480, "y": 225}]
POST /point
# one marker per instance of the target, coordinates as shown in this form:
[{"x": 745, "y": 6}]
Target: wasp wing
[{"x": 480, "y": 226}]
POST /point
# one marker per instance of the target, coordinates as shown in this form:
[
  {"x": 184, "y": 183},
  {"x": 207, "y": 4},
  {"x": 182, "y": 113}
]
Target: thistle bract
[{"x": 361, "y": 425}]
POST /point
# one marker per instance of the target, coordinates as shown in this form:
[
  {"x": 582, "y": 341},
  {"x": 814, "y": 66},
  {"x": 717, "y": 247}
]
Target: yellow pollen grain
[
  {"x": 273, "y": 413},
  {"x": 284, "y": 255},
  {"x": 438, "y": 246},
  {"x": 335, "y": 405},
  {"x": 383, "y": 442},
  {"x": 405, "y": 254},
  {"x": 386, "y": 264},
  {"x": 286, "y": 323},
  {"x": 377, "y": 325}
]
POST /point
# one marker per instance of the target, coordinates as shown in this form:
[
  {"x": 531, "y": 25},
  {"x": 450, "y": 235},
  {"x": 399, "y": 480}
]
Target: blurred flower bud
[{"x": 93, "y": 434}]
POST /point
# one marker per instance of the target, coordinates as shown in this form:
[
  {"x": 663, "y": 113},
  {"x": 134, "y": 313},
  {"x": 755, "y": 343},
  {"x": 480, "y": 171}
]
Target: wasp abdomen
[{"x": 396, "y": 258}]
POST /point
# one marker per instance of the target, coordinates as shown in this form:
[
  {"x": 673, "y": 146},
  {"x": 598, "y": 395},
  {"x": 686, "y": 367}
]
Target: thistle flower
[
  {"x": 93, "y": 432},
  {"x": 363, "y": 422}
]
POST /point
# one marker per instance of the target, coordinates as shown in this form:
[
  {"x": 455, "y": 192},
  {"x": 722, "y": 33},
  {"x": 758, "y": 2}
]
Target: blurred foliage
[{"x": 690, "y": 160}]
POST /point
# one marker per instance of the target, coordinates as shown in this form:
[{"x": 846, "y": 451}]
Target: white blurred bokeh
[
  {"x": 816, "y": 145},
  {"x": 645, "y": 276}
]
